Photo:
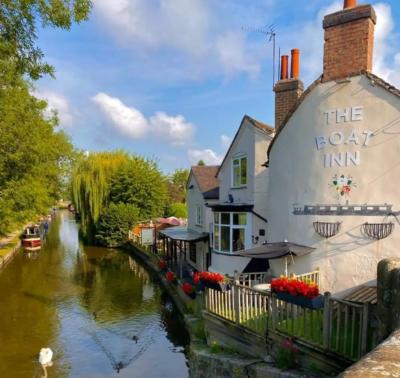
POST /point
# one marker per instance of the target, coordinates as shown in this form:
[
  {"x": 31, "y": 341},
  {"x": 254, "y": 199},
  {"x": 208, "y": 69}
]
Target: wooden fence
[{"x": 340, "y": 327}]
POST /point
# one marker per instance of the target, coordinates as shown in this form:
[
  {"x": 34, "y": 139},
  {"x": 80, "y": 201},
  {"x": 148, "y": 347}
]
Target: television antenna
[{"x": 270, "y": 33}]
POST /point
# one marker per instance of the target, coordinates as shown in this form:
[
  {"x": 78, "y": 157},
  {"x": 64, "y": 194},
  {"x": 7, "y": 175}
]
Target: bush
[
  {"x": 113, "y": 227},
  {"x": 177, "y": 209}
]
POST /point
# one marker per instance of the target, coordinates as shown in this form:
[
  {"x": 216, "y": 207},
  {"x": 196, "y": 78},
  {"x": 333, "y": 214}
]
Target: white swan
[{"x": 45, "y": 357}]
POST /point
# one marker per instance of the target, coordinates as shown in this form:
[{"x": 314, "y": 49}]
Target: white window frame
[
  {"x": 240, "y": 166},
  {"x": 217, "y": 239},
  {"x": 199, "y": 215}
]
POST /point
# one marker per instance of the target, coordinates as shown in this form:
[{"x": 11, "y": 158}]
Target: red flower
[
  {"x": 196, "y": 278},
  {"x": 188, "y": 288},
  {"x": 346, "y": 189},
  {"x": 211, "y": 277},
  {"x": 162, "y": 264},
  {"x": 294, "y": 287},
  {"x": 170, "y": 276}
]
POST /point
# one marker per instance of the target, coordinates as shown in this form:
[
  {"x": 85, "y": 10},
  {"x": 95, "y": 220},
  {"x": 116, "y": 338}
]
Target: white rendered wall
[{"x": 299, "y": 176}]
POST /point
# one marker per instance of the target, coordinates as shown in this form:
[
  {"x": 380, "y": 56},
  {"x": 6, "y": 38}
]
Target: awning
[
  {"x": 230, "y": 207},
  {"x": 183, "y": 234},
  {"x": 272, "y": 251}
]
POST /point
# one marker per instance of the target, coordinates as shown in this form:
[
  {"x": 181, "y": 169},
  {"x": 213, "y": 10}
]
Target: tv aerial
[{"x": 270, "y": 33}]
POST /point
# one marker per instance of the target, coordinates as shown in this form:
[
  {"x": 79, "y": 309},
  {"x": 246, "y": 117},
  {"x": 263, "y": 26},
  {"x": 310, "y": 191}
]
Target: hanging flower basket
[
  {"x": 189, "y": 290},
  {"x": 215, "y": 281},
  {"x": 314, "y": 303},
  {"x": 377, "y": 231},
  {"x": 327, "y": 229}
]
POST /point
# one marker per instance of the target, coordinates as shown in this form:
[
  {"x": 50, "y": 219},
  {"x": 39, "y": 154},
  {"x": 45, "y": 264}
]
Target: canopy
[
  {"x": 183, "y": 234},
  {"x": 272, "y": 251}
]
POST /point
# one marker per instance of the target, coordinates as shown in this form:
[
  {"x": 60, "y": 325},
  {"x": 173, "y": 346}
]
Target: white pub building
[{"x": 334, "y": 164}]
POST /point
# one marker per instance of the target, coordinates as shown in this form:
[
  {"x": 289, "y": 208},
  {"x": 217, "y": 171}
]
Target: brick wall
[
  {"x": 349, "y": 42},
  {"x": 287, "y": 92}
]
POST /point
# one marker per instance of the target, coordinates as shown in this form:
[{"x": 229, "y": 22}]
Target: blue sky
[{"x": 172, "y": 79}]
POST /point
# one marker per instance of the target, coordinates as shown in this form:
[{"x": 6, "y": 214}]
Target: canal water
[{"x": 96, "y": 308}]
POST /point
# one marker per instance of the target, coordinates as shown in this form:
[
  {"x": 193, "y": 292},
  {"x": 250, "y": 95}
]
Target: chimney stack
[
  {"x": 349, "y": 41},
  {"x": 287, "y": 90}
]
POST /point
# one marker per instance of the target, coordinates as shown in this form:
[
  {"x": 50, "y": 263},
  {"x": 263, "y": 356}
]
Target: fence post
[
  {"x": 236, "y": 277},
  {"x": 236, "y": 304},
  {"x": 364, "y": 332},
  {"x": 273, "y": 313},
  {"x": 326, "y": 333}
]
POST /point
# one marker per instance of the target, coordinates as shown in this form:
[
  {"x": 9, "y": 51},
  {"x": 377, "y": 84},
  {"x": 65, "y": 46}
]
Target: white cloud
[
  {"x": 133, "y": 124},
  {"x": 59, "y": 104},
  {"x": 191, "y": 32},
  {"x": 208, "y": 156},
  {"x": 225, "y": 141},
  {"x": 234, "y": 56}
]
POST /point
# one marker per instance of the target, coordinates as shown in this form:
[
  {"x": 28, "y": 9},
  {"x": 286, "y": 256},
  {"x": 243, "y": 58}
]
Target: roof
[
  {"x": 206, "y": 178},
  {"x": 263, "y": 127},
  {"x": 363, "y": 294},
  {"x": 183, "y": 234},
  {"x": 374, "y": 79}
]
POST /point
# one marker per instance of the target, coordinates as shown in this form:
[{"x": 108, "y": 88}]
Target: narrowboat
[{"x": 31, "y": 240}]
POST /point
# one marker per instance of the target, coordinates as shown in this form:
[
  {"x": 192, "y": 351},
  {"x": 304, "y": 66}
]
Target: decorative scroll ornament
[
  {"x": 377, "y": 231},
  {"x": 326, "y": 229}
]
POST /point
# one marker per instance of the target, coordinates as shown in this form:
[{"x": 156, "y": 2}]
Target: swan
[{"x": 45, "y": 356}]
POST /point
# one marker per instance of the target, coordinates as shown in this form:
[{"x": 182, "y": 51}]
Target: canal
[{"x": 95, "y": 308}]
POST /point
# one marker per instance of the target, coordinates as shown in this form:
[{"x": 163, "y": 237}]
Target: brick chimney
[
  {"x": 287, "y": 90},
  {"x": 349, "y": 41}
]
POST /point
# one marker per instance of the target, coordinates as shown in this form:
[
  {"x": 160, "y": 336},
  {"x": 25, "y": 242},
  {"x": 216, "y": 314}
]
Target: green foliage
[
  {"x": 19, "y": 20},
  {"x": 177, "y": 209},
  {"x": 201, "y": 163},
  {"x": 34, "y": 156},
  {"x": 286, "y": 357},
  {"x": 116, "y": 177},
  {"x": 139, "y": 182},
  {"x": 115, "y": 223}
]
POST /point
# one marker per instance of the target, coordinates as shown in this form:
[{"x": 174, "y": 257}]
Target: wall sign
[{"x": 346, "y": 136}]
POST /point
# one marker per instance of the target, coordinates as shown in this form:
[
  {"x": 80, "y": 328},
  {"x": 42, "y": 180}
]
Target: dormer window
[{"x": 239, "y": 171}]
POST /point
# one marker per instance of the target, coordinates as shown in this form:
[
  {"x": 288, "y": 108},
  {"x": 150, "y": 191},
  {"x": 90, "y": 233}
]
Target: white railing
[
  {"x": 251, "y": 279},
  {"x": 309, "y": 277}
]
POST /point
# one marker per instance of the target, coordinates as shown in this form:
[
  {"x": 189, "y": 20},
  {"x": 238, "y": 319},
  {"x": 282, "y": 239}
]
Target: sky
[{"x": 172, "y": 79}]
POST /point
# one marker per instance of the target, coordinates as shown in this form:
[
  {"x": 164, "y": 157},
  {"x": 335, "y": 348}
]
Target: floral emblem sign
[{"x": 343, "y": 185}]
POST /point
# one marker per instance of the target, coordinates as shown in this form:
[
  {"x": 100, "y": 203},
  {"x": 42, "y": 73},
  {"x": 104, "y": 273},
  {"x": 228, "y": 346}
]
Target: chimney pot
[
  {"x": 284, "y": 67},
  {"x": 349, "y": 4},
  {"x": 295, "y": 68}
]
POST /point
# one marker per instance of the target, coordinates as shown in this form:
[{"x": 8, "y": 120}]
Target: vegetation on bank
[{"x": 35, "y": 155}]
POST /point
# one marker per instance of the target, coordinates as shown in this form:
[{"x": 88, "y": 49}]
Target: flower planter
[
  {"x": 219, "y": 286},
  {"x": 315, "y": 303}
]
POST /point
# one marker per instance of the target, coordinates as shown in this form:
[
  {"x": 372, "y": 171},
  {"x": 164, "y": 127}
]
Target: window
[
  {"x": 230, "y": 230},
  {"x": 239, "y": 172},
  {"x": 199, "y": 215}
]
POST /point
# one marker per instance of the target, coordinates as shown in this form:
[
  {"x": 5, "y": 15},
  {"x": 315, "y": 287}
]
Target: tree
[
  {"x": 34, "y": 156},
  {"x": 18, "y": 30},
  {"x": 114, "y": 224},
  {"x": 139, "y": 182},
  {"x": 116, "y": 177},
  {"x": 177, "y": 185},
  {"x": 201, "y": 162},
  {"x": 177, "y": 209}
]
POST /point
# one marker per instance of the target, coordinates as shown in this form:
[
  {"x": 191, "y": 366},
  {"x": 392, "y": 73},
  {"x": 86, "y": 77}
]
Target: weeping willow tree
[
  {"x": 90, "y": 184},
  {"x": 104, "y": 178}
]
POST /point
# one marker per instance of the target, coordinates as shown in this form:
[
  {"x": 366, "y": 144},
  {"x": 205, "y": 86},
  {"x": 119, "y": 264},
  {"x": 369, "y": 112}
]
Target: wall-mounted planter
[
  {"x": 314, "y": 304},
  {"x": 327, "y": 229},
  {"x": 377, "y": 231},
  {"x": 219, "y": 286}
]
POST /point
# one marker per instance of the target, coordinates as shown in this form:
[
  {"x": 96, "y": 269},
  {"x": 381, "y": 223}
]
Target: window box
[{"x": 315, "y": 303}]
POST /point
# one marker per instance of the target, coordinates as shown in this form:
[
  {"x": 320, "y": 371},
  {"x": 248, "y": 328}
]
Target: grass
[{"x": 9, "y": 243}]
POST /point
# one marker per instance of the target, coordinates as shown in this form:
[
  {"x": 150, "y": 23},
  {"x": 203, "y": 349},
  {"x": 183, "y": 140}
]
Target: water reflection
[{"x": 99, "y": 311}]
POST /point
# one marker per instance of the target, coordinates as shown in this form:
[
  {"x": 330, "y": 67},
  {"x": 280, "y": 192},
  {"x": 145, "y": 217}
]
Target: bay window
[
  {"x": 239, "y": 172},
  {"x": 230, "y": 230}
]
